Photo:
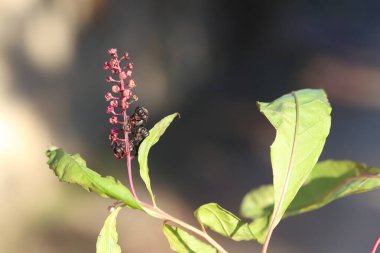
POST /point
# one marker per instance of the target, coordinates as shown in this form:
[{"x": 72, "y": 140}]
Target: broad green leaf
[
  {"x": 223, "y": 222},
  {"x": 182, "y": 242},
  {"x": 302, "y": 122},
  {"x": 72, "y": 169},
  {"x": 154, "y": 135},
  {"x": 258, "y": 202},
  {"x": 329, "y": 180},
  {"x": 107, "y": 239}
]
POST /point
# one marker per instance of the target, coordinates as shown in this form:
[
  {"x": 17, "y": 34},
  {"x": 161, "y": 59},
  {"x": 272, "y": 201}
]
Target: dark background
[{"x": 209, "y": 60}]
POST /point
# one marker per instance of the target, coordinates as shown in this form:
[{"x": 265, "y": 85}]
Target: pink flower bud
[
  {"x": 112, "y": 51},
  {"x": 127, "y": 93},
  {"x": 126, "y": 55},
  {"x": 122, "y": 75},
  {"x": 129, "y": 73},
  {"x": 106, "y": 65},
  {"x": 131, "y": 84},
  {"x": 109, "y": 79},
  {"x": 116, "y": 88},
  {"x": 114, "y": 103},
  {"x": 112, "y": 137},
  {"x": 108, "y": 96},
  {"x": 114, "y": 63},
  {"x": 115, "y": 130},
  {"x": 124, "y": 104},
  {"x": 110, "y": 109},
  {"x": 130, "y": 66},
  {"x": 113, "y": 120}
]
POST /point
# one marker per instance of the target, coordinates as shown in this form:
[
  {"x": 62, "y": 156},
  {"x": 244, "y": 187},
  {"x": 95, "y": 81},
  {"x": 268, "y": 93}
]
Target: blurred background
[{"x": 210, "y": 61}]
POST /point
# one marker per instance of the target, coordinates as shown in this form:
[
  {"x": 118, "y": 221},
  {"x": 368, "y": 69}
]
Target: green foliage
[
  {"x": 302, "y": 122},
  {"x": 107, "y": 239},
  {"x": 329, "y": 180},
  {"x": 154, "y": 135},
  {"x": 181, "y": 242},
  {"x": 300, "y": 184},
  {"x": 72, "y": 169},
  {"x": 258, "y": 202},
  {"x": 223, "y": 222}
]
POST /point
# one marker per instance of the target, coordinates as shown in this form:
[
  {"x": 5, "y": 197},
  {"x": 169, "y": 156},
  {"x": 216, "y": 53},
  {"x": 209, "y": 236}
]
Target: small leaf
[
  {"x": 72, "y": 169},
  {"x": 259, "y": 227},
  {"x": 154, "y": 135},
  {"x": 258, "y": 202},
  {"x": 329, "y": 180},
  {"x": 182, "y": 242},
  {"x": 302, "y": 122},
  {"x": 107, "y": 239},
  {"x": 223, "y": 222}
]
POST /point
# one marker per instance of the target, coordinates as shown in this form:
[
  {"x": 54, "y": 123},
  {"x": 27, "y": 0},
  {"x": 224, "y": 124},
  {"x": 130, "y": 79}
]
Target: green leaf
[
  {"x": 182, "y": 242},
  {"x": 258, "y": 202},
  {"x": 302, "y": 122},
  {"x": 107, "y": 239},
  {"x": 154, "y": 135},
  {"x": 329, "y": 180},
  {"x": 72, "y": 169},
  {"x": 218, "y": 219}
]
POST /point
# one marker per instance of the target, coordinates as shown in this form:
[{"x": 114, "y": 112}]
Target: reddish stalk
[
  {"x": 377, "y": 243},
  {"x": 168, "y": 218}
]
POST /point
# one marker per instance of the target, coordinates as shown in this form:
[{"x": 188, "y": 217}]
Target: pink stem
[{"x": 376, "y": 245}]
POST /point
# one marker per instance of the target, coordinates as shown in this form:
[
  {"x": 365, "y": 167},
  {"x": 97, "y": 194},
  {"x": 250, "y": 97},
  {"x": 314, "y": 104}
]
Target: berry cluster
[{"x": 132, "y": 127}]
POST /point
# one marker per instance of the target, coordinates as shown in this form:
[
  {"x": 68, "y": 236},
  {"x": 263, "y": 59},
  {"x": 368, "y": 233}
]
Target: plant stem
[
  {"x": 376, "y": 245},
  {"x": 168, "y": 218},
  {"x": 128, "y": 159}
]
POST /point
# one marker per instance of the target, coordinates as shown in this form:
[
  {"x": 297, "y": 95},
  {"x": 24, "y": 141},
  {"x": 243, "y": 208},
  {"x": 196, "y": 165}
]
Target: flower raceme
[{"x": 120, "y": 98}]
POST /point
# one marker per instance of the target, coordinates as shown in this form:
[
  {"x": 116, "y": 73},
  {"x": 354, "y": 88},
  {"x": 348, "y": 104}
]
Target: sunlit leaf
[
  {"x": 223, "y": 222},
  {"x": 107, "y": 239},
  {"x": 154, "y": 135},
  {"x": 72, "y": 169},
  {"x": 182, "y": 242},
  {"x": 302, "y": 122}
]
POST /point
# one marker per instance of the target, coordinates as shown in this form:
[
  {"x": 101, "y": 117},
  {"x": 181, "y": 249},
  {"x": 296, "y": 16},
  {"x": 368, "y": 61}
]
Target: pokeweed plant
[{"x": 300, "y": 184}]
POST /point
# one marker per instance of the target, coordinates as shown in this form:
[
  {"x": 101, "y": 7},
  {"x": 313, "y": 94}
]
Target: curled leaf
[
  {"x": 72, "y": 169},
  {"x": 302, "y": 122}
]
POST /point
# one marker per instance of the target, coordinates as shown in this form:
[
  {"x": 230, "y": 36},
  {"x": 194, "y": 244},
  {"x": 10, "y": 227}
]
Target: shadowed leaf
[
  {"x": 182, "y": 242},
  {"x": 329, "y": 180}
]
